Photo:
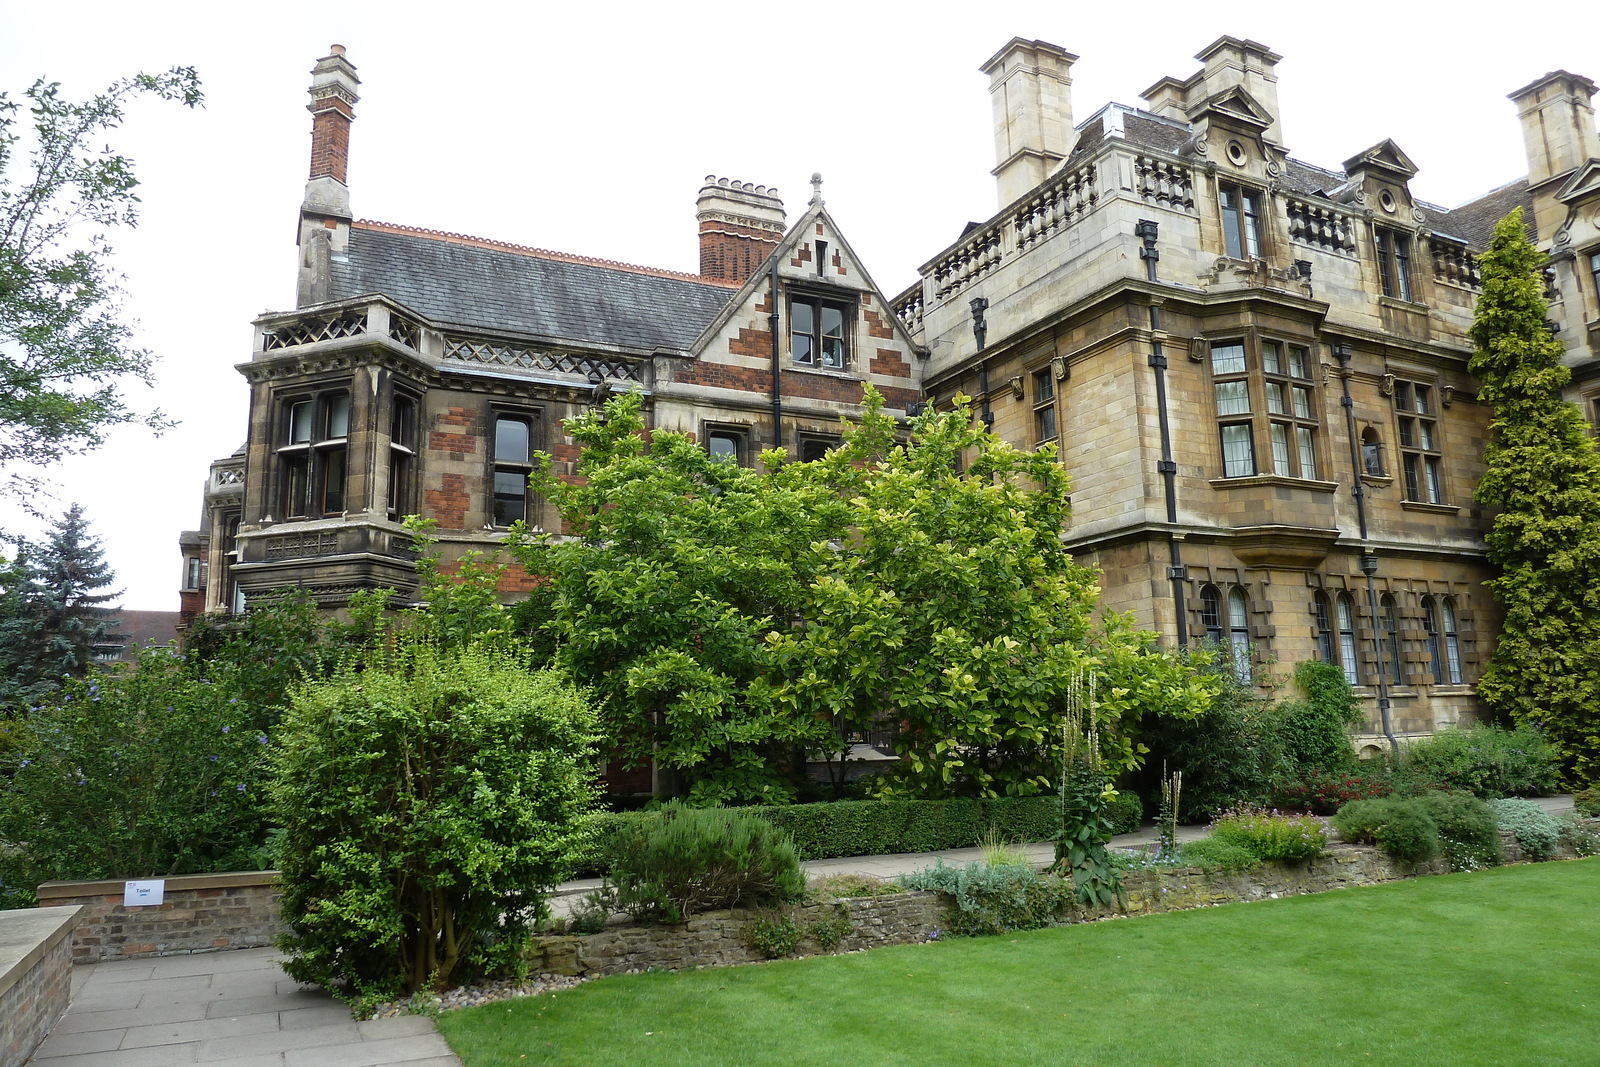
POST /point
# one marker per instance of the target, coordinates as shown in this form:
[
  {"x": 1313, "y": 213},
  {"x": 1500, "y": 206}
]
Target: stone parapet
[
  {"x": 199, "y": 913},
  {"x": 35, "y": 977}
]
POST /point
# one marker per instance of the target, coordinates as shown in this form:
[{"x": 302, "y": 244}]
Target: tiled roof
[
  {"x": 1475, "y": 220},
  {"x": 474, "y": 284}
]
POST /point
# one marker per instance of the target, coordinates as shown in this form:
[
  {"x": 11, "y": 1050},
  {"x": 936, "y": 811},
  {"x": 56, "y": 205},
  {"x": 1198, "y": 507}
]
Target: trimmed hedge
[{"x": 878, "y": 827}]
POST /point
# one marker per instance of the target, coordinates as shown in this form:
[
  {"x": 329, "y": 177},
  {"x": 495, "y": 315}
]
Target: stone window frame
[
  {"x": 818, "y": 298},
  {"x": 808, "y": 442},
  {"x": 1441, "y": 623},
  {"x": 312, "y": 460},
  {"x": 1225, "y": 619},
  {"x": 1389, "y": 638},
  {"x": 1243, "y": 235},
  {"x": 1416, "y": 402},
  {"x": 194, "y": 573},
  {"x": 1269, "y": 366},
  {"x": 404, "y": 449},
  {"x": 738, "y": 434},
  {"x": 1337, "y": 625},
  {"x": 505, "y": 463},
  {"x": 1394, "y": 253}
]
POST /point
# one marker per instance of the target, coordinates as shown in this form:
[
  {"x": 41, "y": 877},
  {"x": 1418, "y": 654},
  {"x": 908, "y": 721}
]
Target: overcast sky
[{"x": 588, "y": 128}]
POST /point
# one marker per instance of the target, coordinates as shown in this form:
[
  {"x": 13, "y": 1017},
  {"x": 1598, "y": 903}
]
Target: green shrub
[
  {"x": 879, "y": 827},
  {"x": 1580, "y": 834},
  {"x": 994, "y": 900},
  {"x": 1468, "y": 832},
  {"x": 138, "y": 772},
  {"x": 427, "y": 802},
  {"x": 677, "y": 861},
  {"x": 1587, "y": 801},
  {"x": 827, "y": 933},
  {"x": 1268, "y": 835},
  {"x": 1486, "y": 761},
  {"x": 1216, "y": 854},
  {"x": 773, "y": 934},
  {"x": 1315, "y": 731},
  {"x": 1401, "y": 828},
  {"x": 1534, "y": 828}
]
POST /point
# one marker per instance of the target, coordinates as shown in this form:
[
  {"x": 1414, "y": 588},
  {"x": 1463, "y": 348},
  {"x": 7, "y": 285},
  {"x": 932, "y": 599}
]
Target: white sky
[{"x": 587, "y": 128}]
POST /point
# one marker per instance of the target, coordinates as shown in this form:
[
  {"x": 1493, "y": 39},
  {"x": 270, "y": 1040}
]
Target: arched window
[
  {"x": 1391, "y": 639},
  {"x": 1430, "y": 623},
  {"x": 1347, "y": 638},
  {"x": 1239, "y": 634},
  {"x": 1324, "y": 628},
  {"x": 1452, "y": 642},
  {"x": 1211, "y": 612},
  {"x": 1371, "y": 452}
]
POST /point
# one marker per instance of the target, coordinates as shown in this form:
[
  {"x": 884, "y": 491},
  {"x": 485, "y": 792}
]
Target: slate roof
[
  {"x": 480, "y": 285},
  {"x": 1474, "y": 221}
]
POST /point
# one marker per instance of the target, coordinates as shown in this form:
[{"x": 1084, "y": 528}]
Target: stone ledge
[
  {"x": 175, "y": 883},
  {"x": 27, "y": 935}
]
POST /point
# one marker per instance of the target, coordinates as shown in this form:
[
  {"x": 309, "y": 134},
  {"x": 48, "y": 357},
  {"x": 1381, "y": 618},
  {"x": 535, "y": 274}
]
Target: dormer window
[
  {"x": 1394, "y": 262},
  {"x": 1241, "y": 221},
  {"x": 817, "y": 335}
]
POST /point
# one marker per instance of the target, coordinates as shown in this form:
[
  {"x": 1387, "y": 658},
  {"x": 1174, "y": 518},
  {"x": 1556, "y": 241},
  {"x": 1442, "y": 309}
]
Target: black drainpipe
[
  {"x": 1369, "y": 559},
  {"x": 777, "y": 388},
  {"x": 1177, "y": 573}
]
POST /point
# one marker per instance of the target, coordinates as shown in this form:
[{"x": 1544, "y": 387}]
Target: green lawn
[{"x": 1500, "y": 967}]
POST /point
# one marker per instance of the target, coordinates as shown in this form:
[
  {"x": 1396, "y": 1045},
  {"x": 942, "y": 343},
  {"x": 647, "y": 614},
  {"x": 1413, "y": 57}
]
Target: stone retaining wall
[
  {"x": 35, "y": 978},
  {"x": 200, "y": 913},
  {"x": 719, "y": 938}
]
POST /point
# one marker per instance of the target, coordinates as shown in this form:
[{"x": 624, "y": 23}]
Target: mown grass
[{"x": 1497, "y": 967}]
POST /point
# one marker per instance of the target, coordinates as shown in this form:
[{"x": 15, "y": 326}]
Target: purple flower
[
  {"x": 224, "y": 729},
  {"x": 241, "y": 787},
  {"x": 24, "y": 763},
  {"x": 262, "y": 739},
  {"x": 213, "y": 759}
]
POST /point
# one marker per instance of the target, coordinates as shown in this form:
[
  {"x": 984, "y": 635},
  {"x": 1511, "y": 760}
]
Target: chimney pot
[{"x": 336, "y": 49}]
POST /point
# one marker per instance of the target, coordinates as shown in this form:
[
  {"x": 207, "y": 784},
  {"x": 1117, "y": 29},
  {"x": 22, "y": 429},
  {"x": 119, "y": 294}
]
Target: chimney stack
[
  {"x": 1030, "y": 92},
  {"x": 325, "y": 213},
  {"x": 1249, "y": 65},
  {"x": 740, "y": 225},
  {"x": 1558, "y": 127}
]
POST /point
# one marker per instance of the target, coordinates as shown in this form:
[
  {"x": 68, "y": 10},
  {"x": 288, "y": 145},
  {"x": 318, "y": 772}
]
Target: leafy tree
[
  {"x": 734, "y": 621},
  {"x": 64, "y": 344},
  {"x": 1543, "y": 474},
  {"x": 51, "y": 617}
]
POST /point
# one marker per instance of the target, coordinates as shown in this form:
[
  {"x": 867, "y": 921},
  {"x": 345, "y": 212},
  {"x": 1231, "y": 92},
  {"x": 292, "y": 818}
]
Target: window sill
[
  {"x": 1431, "y": 509},
  {"x": 825, "y": 372},
  {"x": 1276, "y": 481},
  {"x": 1403, "y": 305},
  {"x": 1382, "y": 481}
]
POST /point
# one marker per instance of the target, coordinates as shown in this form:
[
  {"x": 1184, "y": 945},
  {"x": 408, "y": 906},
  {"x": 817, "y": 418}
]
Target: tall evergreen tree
[
  {"x": 1544, "y": 475},
  {"x": 51, "y": 613}
]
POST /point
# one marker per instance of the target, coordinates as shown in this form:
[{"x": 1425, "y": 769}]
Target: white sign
[{"x": 143, "y": 894}]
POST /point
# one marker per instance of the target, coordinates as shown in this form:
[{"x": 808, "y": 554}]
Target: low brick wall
[
  {"x": 35, "y": 977},
  {"x": 718, "y": 938},
  {"x": 200, "y": 913}
]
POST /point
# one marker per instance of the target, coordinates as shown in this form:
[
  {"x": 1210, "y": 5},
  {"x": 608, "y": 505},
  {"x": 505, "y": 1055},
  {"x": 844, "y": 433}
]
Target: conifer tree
[
  {"x": 51, "y": 615},
  {"x": 1543, "y": 473}
]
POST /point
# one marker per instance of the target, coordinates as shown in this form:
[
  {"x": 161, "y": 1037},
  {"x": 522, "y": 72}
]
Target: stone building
[
  {"x": 1254, "y": 367},
  {"x": 420, "y": 372}
]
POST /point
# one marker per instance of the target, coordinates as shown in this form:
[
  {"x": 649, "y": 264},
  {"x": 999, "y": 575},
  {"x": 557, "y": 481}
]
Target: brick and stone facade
[
  {"x": 35, "y": 977},
  {"x": 200, "y": 913}
]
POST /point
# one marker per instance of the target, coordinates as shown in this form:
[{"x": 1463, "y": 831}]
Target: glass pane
[
  {"x": 511, "y": 441},
  {"x": 1046, "y": 418},
  {"x": 1233, "y": 398},
  {"x": 1347, "y": 657},
  {"x": 1453, "y": 658},
  {"x": 399, "y": 481},
  {"x": 802, "y": 318},
  {"x": 832, "y": 321},
  {"x": 802, "y": 349},
  {"x": 1280, "y": 449},
  {"x": 1299, "y": 362},
  {"x": 1238, "y": 616},
  {"x": 1308, "y": 452},
  {"x": 1211, "y": 610},
  {"x": 1227, "y": 358},
  {"x": 401, "y": 421},
  {"x": 1302, "y": 402},
  {"x": 1252, "y": 224},
  {"x": 1413, "y": 484},
  {"x": 1238, "y": 451},
  {"x": 510, "y": 497},
  {"x": 300, "y": 422},
  {"x": 1426, "y": 428},
  {"x": 1435, "y": 495},
  {"x": 1371, "y": 458},
  {"x": 339, "y": 415},
  {"x": 1275, "y": 402},
  {"x": 296, "y": 485},
  {"x": 1402, "y": 395},
  {"x": 1423, "y": 401},
  {"x": 1230, "y": 222},
  {"x": 832, "y": 352},
  {"x": 723, "y": 446},
  {"x": 333, "y": 477},
  {"x": 1408, "y": 433},
  {"x": 1270, "y": 358},
  {"x": 1044, "y": 387}
]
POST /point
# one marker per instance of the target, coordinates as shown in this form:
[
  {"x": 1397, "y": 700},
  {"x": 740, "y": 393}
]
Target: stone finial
[{"x": 816, "y": 187}]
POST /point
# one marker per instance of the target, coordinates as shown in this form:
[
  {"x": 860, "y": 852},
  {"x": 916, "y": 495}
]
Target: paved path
[{"x": 229, "y": 1009}]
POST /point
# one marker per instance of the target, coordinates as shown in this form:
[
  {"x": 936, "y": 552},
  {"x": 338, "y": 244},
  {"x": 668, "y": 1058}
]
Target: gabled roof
[
  {"x": 480, "y": 285},
  {"x": 1385, "y": 156}
]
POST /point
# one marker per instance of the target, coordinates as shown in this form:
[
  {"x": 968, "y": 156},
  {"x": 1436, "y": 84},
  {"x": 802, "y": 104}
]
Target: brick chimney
[
  {"x": 740, "y": 225},
  {"x": 325, "y": 213},
  {"x": 1030, "y": 92},
  {"x": 1558, "y": 127}
]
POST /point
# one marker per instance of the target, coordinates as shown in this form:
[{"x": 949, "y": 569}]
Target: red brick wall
[
  {"x": 732, "y": 252},
  {"x": 200, "y": 913},
  {"x": 330, "y": 138},
  {"x": 448, "y": 503}
]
